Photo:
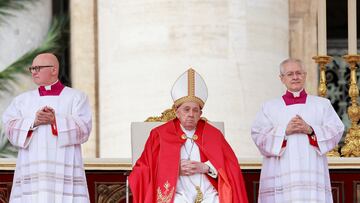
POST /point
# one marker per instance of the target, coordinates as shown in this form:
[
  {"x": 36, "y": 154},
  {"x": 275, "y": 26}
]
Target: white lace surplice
[
  {"x": 299, "y": 172},
  {"x": 49, "y": 168}
]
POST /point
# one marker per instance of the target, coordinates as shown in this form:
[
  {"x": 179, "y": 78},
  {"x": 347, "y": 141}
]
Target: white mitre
[{"x": 190, "y": 86}]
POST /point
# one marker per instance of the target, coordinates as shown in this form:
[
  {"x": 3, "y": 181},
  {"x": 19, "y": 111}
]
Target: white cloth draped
[
  {"x": 299, "y": 172},
  {"x": 185, "y": 189},
  {"x": 49, "y": 168}
]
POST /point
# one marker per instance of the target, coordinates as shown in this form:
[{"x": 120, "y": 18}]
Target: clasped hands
[
  {"x": 189, "y": 167},
  {"x": 45, "y": 115},
  {"x": 298, "y": 125}
]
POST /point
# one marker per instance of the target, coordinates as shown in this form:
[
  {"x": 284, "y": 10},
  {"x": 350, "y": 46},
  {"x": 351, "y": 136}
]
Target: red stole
[{"x": 169, "y": 160}]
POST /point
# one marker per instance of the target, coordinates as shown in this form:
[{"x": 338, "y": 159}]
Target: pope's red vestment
[{"x": 155, "y": 174}]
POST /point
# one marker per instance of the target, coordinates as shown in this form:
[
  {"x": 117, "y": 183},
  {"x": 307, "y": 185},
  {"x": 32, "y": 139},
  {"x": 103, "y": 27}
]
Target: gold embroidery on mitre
[
  {"x": 191, "y": 91},
  {"x": 191, "y": 82},
  {"x": 167, "y": 195},
  {"x": 178, "y": 102}
]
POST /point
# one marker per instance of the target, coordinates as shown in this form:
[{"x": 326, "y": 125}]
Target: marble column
[
  {"x": 84, "y": 67},
  {"x": 303, "y": 38},
  {"x": 145, "y": 45}
]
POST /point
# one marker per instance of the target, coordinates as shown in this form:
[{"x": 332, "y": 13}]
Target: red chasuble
[{"x": 155, "y": 174}]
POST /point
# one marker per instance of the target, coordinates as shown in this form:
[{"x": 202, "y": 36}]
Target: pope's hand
[{"x": 189, "y": 167}]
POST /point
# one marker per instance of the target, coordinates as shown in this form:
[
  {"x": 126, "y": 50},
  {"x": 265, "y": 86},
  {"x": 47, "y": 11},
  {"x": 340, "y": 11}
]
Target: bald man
[{"x": 48, "y": 125}]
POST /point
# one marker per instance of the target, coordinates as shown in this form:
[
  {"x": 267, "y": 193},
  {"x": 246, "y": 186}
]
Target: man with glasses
[
  {"x": 293, "y": 133},
  {"x": 48, "y": 125}
]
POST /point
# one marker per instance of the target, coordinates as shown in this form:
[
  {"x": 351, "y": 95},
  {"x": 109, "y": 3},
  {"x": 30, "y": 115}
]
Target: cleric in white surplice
[
  {"x": 48, "y": 125},
  {"x": 293, "y": 133}
]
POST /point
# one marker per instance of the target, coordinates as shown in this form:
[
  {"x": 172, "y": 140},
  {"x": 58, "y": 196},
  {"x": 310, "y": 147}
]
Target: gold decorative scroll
[
  {"x": 166, "y": 115},
  {"x": 110, "y": 192}
]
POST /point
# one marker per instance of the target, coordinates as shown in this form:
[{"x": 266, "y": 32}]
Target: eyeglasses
[
  {"x": 292, "y": 74},
  {"x": 36, "y": 69}
]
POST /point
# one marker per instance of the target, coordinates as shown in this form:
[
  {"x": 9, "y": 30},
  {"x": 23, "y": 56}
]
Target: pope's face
[
  {"x": 189, "y": 114},
  {"x": 293, "y": 76}
]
